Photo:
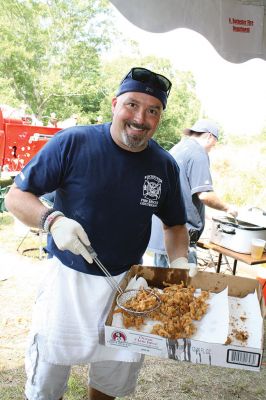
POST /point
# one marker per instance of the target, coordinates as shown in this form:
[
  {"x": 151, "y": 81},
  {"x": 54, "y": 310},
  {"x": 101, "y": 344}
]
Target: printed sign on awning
[{"x": 241, "y": 28}]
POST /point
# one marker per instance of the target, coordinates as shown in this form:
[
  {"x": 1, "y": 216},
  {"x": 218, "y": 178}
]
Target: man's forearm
[
  {"x": 211, "y": 200},
  {"x": 176, "y": 241},
  {"x": 25, "y": 206}
]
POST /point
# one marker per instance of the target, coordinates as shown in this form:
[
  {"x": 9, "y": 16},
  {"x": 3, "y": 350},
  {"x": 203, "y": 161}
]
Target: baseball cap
[
  {"x": 205, "y": 125},
  {"x": 143, "y": 80}
]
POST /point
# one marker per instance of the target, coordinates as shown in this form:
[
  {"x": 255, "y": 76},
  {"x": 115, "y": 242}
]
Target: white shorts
[{"x": 46, "y": 381}]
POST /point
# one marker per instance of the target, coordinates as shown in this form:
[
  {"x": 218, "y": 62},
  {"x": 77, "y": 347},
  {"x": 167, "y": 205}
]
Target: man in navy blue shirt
[{"x": 109, "y": 181}]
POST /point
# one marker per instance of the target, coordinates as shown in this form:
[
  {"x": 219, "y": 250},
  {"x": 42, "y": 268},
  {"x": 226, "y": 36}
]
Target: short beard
[{"x": 134, "y": 141}]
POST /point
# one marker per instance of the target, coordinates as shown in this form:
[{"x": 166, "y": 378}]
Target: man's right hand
[
  {"x": 232, "y": 210},
  {"x": 68, "y": 234}
]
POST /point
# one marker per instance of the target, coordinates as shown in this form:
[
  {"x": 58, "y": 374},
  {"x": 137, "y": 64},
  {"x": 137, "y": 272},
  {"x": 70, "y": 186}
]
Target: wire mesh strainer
[{"x": 124, "y": 296}]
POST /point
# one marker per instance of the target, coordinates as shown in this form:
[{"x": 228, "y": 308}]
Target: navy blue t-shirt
[{"x": 110, "y": 191}]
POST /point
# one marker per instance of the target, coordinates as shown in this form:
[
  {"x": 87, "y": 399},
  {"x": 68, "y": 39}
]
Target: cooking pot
[{"x": 234, "y": 234}]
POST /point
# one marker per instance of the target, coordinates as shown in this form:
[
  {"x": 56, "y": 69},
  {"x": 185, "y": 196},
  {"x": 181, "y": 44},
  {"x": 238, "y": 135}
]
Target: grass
[
  {"x": 12, "y": 384},
  {"x": 161, "y": 379},
  {"x": 25, "y": 241},
  {"x": 5, "y": 220}
]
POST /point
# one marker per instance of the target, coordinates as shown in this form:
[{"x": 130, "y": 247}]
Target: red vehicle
[{"x": 20, "y": 141}]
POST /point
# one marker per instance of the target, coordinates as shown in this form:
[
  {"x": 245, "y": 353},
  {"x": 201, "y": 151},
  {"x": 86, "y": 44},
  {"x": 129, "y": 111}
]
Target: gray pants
[{"x": 46, "y": 381}]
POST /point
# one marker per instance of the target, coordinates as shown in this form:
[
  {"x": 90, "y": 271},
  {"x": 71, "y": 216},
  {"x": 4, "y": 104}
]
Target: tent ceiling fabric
[{"x": 236, "y": 28}]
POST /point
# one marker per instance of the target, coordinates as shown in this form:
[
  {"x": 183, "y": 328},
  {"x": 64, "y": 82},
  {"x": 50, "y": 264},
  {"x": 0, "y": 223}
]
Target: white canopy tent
[{"x": 236, "y": 28}]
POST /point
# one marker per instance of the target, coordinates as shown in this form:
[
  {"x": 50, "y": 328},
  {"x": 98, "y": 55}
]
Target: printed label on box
[{"x": 136, "y": 341}]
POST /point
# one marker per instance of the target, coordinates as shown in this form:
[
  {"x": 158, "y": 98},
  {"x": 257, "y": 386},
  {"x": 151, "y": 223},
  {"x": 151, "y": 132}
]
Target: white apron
[{"x": 70, "y": 312}]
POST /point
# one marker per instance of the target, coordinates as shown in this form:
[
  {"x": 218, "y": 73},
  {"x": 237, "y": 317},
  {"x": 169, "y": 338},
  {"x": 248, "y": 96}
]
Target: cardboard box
[{"x": 186, "y": 349}]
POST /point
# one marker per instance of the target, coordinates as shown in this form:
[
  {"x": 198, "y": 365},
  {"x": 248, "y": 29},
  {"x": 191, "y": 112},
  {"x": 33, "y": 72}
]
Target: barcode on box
[{"x": 243, "y": 358}]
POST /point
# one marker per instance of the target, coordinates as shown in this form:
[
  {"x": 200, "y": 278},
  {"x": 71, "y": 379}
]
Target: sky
[{"x": 233, "y": 95}]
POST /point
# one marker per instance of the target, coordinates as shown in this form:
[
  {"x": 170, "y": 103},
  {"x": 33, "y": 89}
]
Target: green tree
[
  {"x": 182, "y": 111},
  {"x": 50, "y": 53}
]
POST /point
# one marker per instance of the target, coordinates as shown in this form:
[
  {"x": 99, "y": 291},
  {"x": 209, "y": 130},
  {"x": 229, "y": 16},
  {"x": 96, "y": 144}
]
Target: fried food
[
  {"x": 176, "y": 313},
  {"x": 130, "y": 320},
  {"x": 143, "y": 301},
  {"x": 240, "y": 335}
]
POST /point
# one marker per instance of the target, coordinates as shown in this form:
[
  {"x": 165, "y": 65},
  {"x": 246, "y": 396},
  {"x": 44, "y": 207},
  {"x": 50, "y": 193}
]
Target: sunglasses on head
[{"x": 146, "y": 76}]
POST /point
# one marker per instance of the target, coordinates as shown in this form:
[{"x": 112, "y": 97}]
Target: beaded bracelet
[
  {"x": 44, "y": 216},
  {"x": 50, "y": 218}
]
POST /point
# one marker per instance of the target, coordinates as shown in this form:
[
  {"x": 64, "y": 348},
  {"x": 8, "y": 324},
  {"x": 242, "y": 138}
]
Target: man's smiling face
[{"x": 135, "y": 119}]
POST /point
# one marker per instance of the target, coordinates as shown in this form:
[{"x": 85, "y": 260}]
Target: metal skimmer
[{"x": 123, "y": 296}]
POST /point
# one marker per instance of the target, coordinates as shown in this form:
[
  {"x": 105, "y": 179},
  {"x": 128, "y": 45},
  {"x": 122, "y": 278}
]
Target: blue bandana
[{"x": 131, "y": 85}]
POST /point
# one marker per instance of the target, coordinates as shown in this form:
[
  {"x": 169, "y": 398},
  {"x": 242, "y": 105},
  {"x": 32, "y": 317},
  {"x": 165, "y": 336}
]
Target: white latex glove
[
  {"x": 69, "y": 235},
  {"x": 182, "y": 263}
]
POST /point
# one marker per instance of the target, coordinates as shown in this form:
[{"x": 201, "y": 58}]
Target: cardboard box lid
[{"x": 238, "y": 286}]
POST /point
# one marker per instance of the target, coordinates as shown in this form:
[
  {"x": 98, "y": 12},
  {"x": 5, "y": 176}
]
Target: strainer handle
[{"x": 112, "y": 282}]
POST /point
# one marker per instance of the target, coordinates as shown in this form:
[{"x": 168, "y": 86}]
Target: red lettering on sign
[
  {"x": 250, "y": 23},
  {"x": 241, "y": 29},
  {"x": 244, "y": 22},
  {"x": 239, "y": 21}
]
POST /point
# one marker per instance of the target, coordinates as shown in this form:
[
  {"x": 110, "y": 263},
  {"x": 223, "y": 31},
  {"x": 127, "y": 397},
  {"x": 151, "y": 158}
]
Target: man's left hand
[{"x": 182, "y": 263}]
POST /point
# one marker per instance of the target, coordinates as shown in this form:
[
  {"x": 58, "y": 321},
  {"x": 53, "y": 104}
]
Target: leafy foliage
[
  {"x": 50, "y": 53},
  {"x": 51, "y": 60},
  {"x": 237, "y": 181},
  {"x": 182, "y": 110}
]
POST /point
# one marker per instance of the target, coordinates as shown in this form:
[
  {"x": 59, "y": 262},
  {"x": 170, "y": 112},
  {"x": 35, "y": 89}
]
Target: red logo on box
[{"x": 119, "y": 336}]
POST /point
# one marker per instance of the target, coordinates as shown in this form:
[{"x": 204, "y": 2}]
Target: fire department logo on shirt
[{"x": 151, "y": 191}]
